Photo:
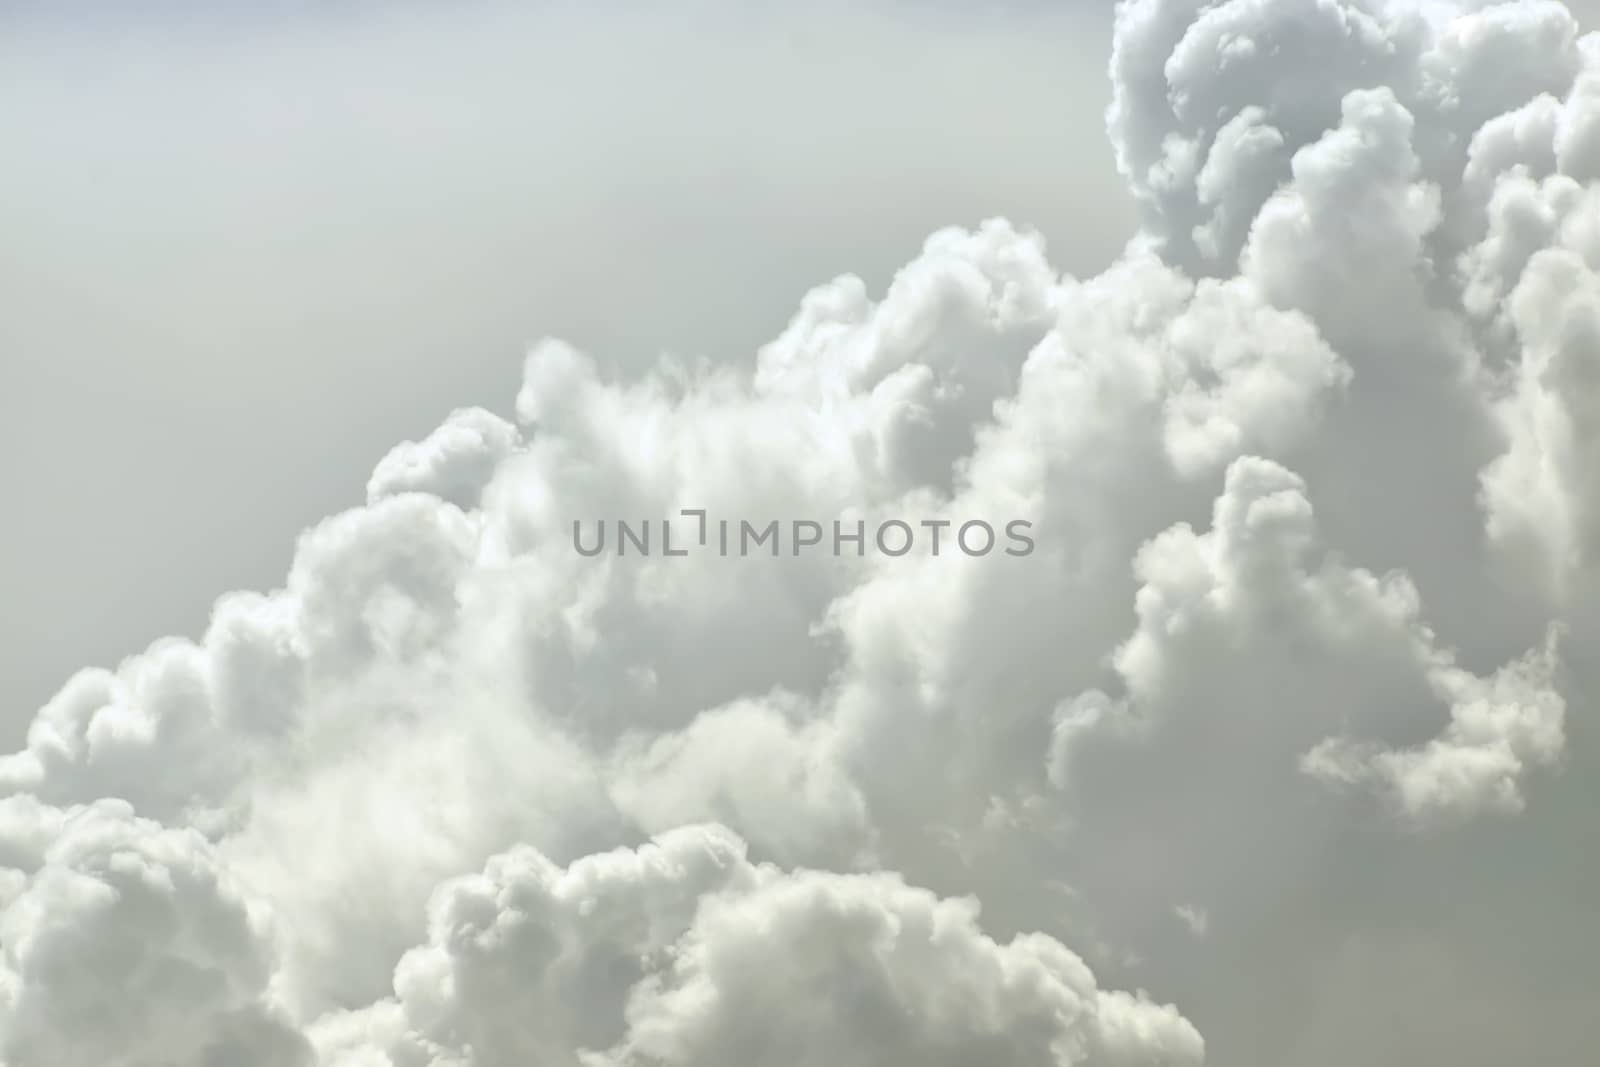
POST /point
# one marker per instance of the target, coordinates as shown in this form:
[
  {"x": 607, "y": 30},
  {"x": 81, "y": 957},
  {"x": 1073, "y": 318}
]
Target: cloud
[
  {"x": 1302, "y": 638},
  {"x": 454, "y": 463},
  {"x": 128, "y": 943},
  {"x": 1194, "y": 918},
  {"x": 683, "y": 951},
  {"x": 1222, "y": 613}
]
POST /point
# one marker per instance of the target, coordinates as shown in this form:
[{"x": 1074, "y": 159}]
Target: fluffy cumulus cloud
[
  {"x": 1279, "y": 716},
  {"x": 683, "y": 951},
  {"x": 127, "y": 942}
]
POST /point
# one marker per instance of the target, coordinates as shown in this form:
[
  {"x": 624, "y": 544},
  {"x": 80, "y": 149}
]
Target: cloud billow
[{"x": 1294, "y": 656}]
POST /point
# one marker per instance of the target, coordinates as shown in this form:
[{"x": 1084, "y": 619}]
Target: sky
[{"x": 1274, "y": 323}]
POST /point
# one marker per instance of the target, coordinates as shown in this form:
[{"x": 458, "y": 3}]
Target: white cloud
[
  {"x": 126, "y": 943},
  {"x": 683, "y": 951},
  {"x": 1305, "y": 470},
  {"x": 1194, "y": 918}
]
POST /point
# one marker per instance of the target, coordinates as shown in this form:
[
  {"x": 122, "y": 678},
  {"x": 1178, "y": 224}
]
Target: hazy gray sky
[{"x": 247, "y": 248}]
